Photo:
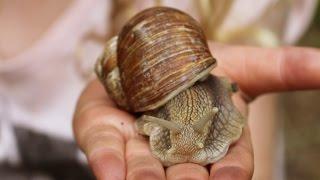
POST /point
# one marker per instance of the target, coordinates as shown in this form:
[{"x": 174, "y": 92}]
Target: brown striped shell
[{"x": 160, "y": 52}]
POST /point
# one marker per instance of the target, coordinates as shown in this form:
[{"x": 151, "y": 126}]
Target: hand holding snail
[{"x": 106, "y": 134}]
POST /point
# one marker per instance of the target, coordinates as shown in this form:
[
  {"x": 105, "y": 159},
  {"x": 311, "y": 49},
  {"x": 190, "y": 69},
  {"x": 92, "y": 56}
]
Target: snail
[{"x": 158, "y": 67}]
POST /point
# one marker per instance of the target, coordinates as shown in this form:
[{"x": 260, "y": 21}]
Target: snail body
[{"x": 159, "y": 65}]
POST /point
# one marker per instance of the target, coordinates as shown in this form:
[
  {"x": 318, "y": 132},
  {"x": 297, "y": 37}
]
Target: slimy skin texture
[
  {"x": 207, "y": 101},
  {"x": 158, "y": 66}
]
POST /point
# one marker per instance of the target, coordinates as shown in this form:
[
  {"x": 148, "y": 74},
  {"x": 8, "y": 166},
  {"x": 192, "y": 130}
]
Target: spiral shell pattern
[{"x": 161, "y": 51}]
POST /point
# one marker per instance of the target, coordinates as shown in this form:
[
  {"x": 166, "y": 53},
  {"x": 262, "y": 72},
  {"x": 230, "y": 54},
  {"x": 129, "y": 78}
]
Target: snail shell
[
  {"x": 159, "y": 53},
  {"x": 159, "y": 64}
]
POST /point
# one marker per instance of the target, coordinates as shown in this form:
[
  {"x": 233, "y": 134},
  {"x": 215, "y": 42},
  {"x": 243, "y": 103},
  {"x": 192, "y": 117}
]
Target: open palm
[{"x": 115, "y": 151}]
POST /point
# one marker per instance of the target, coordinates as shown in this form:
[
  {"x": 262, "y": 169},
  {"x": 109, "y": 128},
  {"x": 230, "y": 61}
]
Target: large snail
[{"x": 159, "y": 67}]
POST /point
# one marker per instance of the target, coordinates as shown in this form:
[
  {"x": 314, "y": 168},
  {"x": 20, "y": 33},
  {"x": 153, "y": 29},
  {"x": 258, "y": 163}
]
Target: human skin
[{"x": 115, "y": 151}]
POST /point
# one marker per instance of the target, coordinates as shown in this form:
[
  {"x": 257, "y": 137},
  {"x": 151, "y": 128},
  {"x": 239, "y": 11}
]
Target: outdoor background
[
  {"x": 301, "y": 121},
  {"x": 36, "y": 140}
]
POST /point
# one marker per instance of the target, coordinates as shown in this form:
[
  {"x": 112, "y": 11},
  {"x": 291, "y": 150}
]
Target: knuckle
[
  {"x": 144, "y": 167},
  {"x": 106, "y": 155},
  {"x": 102, "y": 136},
  {"x": 97, "y": 118}
]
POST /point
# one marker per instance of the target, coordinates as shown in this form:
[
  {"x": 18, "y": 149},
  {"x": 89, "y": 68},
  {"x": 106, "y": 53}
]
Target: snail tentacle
[
  {"x": 162, "y": 122},
  {"x": 198, "y": 126}
]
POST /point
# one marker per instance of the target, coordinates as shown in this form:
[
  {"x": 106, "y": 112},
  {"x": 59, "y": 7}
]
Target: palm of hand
[{"x": 115, "y": 151}]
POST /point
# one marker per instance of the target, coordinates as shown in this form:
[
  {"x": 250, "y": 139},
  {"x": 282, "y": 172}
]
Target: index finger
[{"x": 262, "y": 70}]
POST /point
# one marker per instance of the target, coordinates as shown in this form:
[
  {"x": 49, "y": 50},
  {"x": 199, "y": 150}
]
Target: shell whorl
[{"x": 160, "y": 52}]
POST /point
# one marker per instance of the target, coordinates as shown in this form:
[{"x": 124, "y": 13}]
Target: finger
[
  {"x": 101, "y": 131},
  {"x": 238, "y": 163},
  {"x": 140, "y": 162},
  {"x": 187, "y": 171},
  {"x": 104, "y": 148},
  {"x": 262, "y": 70}
]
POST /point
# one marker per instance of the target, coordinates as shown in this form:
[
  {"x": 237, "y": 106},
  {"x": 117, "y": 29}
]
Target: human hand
[{"x": 115, "y": 151}]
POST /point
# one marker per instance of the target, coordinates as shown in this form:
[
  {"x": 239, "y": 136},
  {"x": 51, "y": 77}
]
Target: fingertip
[
  {"x": 145, "y": 171},
  {"x": 141, "y": 163},
  {"x": 187, "y": 171},
  {"x": 107, "y": 166},
  {"x": 231, "y": 173}
]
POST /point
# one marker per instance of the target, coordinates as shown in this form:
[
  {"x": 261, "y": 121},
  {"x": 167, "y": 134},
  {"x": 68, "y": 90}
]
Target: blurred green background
[{"x": 301, "y": 114}]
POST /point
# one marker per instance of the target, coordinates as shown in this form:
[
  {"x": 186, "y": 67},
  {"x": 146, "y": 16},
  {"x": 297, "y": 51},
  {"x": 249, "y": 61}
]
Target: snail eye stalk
[
  {"x": 162, "y": 122},
  {"x": 198, "y": 126}
]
